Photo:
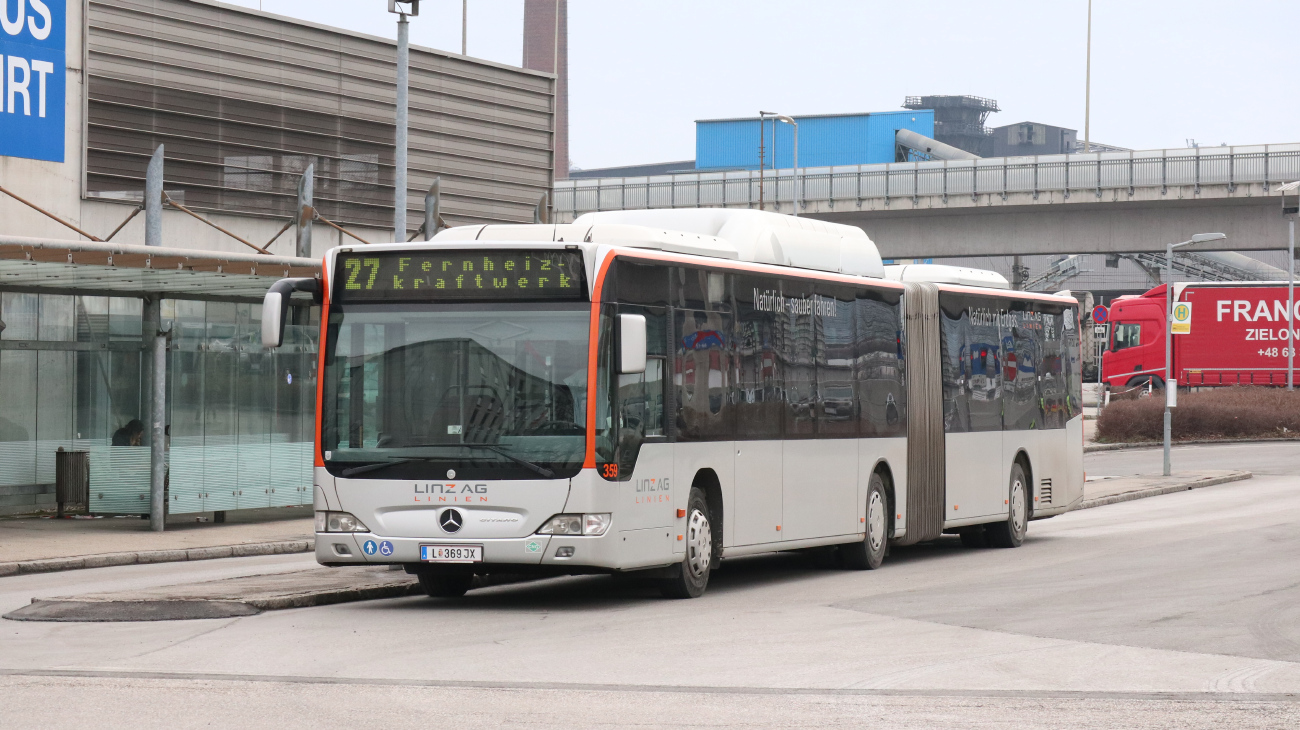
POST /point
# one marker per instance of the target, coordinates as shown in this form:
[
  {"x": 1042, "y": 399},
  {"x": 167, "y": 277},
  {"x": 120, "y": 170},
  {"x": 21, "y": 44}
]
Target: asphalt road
[{"x": 1176, "y": 611}]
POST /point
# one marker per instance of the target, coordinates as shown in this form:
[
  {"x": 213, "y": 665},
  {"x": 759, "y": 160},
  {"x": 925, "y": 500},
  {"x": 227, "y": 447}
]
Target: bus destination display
[{"x": 460, "y": 275}]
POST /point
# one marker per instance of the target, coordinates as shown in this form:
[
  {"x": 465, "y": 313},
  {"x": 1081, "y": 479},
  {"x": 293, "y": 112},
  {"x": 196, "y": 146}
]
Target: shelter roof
[{"x": 127, "y": 270}]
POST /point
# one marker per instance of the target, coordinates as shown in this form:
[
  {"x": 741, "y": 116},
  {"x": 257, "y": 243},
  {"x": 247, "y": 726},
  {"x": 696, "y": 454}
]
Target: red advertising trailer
[{"x": 1236, "y": 333}]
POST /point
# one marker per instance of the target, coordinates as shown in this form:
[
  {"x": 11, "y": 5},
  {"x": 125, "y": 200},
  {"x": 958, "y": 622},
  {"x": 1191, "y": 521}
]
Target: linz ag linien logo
[
  {"x": 653, "y": 490},
  {"x": 449, "y": 492}
]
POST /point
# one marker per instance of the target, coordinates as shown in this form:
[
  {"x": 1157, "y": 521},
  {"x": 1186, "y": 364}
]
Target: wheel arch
[
  {"x": 1022, "y": 458},
  {"x": 706, "y": 480},
  {"x": 882, "y": 468}
]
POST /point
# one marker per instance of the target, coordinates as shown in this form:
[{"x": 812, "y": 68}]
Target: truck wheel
[
  {"x": 445, "y": 586},
  {"x": 1011, "y": 533},
  {"x": 1156, "y": 382},
  {"x": 691, "y": 576},
  {"x": 870, "y": 553}
]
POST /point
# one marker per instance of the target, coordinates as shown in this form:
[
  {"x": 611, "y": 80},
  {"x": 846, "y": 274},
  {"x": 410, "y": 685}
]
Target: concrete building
[{"x": 243, "y": 102}]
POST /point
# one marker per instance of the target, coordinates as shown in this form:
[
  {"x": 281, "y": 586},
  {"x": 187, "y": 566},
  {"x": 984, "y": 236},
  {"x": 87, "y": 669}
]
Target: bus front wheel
[
  {"x": 870, "y": 553},
  {"x": 690, "y": 577}
]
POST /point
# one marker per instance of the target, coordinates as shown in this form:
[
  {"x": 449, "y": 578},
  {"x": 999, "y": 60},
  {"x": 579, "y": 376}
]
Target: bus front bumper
[{"x": 582, "y": 553}]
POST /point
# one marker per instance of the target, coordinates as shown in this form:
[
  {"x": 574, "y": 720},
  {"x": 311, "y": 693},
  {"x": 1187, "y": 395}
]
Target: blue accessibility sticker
[
  {"x": 370, "y": 547},
  {"x": 386, "y": 548}
]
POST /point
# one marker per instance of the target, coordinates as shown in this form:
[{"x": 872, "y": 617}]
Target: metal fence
[{"x": 1090, "y": 174}]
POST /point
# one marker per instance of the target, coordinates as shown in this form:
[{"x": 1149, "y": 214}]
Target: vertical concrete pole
[
  {"x": 1290, "y": 308},
  {"x": 1169, "y": 348},
  {"x": 432, "y": 206},
  {"x": 158, "y": 419},
  {"x": 153, "y": 192},
  {"x": 306, "y": 191},
  {"x": 399, "y": 157}
]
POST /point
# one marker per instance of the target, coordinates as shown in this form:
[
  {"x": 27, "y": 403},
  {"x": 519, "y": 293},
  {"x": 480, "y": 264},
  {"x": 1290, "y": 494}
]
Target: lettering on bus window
[
  {"x": 759, "y": 379},
  {"x": 971, "y": 349},
  {"x": 837, "y": 404},
  {"x": 797, "y": 330}
]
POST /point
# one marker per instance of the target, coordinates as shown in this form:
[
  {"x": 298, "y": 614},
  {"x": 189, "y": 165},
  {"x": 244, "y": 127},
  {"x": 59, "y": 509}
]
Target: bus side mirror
[
  {"x": 632, "y": 344},
  {"x": 275, "y": 307}
]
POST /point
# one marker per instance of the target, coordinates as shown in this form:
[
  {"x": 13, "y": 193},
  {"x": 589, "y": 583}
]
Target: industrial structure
[
  {"x": 959, "y": 120},
  {"x": 824, "y": 140}
]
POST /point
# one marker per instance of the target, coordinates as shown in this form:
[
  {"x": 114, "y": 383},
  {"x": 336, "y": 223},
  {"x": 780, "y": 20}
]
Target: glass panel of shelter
[{"x": 79, "y": 384}]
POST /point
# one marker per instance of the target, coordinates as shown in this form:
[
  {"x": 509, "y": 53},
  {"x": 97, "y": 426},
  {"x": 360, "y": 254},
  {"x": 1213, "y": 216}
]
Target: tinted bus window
[
  {"x": 837, "y": 404},
  {"x": 878, "y": 364},
  {"x": 703, "y": 375},
  {"x": 797, "y": 346},
  {"x": 1023, "y": 344},
  {"x": 758, "y": 399},
  {"x": 971, "y": 350}
]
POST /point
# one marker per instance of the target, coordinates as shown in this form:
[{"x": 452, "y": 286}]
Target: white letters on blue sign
[{"x": 33, "y": 78}]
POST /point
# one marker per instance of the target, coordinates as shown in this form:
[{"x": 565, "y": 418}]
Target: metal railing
[{"x": 1090, "y": 174}]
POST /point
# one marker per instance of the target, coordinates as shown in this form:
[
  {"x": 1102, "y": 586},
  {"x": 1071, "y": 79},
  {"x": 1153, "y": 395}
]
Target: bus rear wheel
[
  {"x": 870, "y": 553},
  {"x": 690, "y": 577},
  {"x": 445, "y": 586},
  {"x": 1011, "y": 533}
]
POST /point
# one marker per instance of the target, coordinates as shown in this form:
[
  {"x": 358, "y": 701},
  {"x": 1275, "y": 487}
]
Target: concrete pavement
[
  {"x": 251, "y": 594},
  {"x": 1178, "y": 611},
  {"x": 32, "y": 545}
]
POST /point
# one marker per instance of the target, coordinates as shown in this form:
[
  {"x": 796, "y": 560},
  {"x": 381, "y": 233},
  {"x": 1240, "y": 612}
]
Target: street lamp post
[
  {"x": 401, "y": 8},
  {"x": 1290, "y": 211},
  {"x": 1171, "y": 381},
  {"x": 797, "y": 193}
]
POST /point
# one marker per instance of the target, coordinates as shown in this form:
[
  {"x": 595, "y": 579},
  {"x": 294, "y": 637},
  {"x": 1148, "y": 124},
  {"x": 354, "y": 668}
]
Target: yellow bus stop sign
[{"x": 1182, "y": 322}]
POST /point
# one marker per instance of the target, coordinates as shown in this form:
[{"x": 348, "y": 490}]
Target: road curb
[
  {"x": 1191, "y": 442},
  {"x": 1157, "y": 491},
  {"x": 226, "y": 598},
  {"x": 141, "y": 557}
]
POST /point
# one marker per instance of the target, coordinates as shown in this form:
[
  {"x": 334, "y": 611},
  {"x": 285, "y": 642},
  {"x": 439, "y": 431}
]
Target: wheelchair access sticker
[{"x": 386, "y": 548}]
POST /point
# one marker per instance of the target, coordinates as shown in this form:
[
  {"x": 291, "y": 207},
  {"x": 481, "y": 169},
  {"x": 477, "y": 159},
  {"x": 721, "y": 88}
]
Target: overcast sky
[{"x": 1163, "y": 71}]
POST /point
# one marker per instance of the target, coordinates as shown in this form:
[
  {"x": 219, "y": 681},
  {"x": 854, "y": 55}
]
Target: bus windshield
[{"x": 463, "y": 391}]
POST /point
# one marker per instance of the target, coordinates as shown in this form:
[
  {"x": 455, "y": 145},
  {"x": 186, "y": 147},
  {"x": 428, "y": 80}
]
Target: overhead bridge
[{"x": 1109, "y": 202}]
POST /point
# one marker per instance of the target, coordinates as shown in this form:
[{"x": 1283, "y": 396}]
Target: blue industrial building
[{"x": 824, "y": 140}]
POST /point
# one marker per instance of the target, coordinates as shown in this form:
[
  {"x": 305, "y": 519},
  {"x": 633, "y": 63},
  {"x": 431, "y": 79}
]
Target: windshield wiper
[
  {"x": 380, "y": 465},
  {"x": 522, "y": 462},
  {"x": 537, "y": 468}
]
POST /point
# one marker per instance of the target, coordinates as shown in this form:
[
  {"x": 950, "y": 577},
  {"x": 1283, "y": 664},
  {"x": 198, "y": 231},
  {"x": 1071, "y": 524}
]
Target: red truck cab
[{"x": 1136, "y": 351}]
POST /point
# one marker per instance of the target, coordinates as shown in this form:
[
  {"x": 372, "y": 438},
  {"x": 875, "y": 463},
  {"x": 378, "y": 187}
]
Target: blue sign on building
[{"x": 33, "y": 78}]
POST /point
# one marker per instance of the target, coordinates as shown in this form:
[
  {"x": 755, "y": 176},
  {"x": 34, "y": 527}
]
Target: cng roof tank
[{"x": 762, "y": 237}]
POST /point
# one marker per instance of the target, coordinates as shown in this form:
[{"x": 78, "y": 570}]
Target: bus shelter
[{"x": 149, "y": 358}]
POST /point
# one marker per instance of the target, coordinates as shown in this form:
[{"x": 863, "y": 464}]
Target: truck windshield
[{"x": 484, "y": 391}]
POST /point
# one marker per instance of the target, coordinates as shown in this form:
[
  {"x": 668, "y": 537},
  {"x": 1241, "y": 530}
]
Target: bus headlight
[
  {"x": 594, "y": 525},
  {"x": 338, "y": 522}
]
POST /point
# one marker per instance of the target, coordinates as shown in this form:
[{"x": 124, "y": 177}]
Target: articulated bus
[{"x": 656, "y": 391}]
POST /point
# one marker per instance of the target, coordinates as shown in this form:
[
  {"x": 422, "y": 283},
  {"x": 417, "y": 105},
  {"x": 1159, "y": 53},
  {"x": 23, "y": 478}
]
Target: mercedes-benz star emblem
[{"x": 450, "y": 520}]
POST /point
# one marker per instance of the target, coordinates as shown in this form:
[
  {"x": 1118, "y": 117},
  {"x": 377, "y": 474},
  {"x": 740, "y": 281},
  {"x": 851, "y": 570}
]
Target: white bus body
[{"x": 786, "y": 380}]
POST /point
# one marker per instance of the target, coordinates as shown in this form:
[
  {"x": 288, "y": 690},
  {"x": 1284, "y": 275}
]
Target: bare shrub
[{"x": 1237, "y": 412}]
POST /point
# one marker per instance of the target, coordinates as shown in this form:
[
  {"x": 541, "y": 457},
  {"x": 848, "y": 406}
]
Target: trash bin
[{"x": 71, "y": 478}]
